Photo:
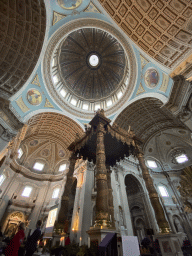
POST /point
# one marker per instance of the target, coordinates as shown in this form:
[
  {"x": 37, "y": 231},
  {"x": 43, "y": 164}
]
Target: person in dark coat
[
  {"x": 31, "y": 245},
  {"x": 13, "y": 247}
]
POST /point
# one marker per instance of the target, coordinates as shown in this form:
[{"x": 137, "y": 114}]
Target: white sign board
[{"x": 130, "y": 246}]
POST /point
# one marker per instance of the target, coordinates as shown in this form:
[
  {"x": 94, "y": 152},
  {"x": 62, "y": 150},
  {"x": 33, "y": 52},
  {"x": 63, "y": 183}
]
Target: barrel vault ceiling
[{"x": 162, "y": 28}]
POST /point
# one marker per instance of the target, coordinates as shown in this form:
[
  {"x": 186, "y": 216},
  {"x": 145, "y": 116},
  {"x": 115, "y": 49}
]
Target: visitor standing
[
  {"x": 31, "y": 245},
  {"x": 13, "y": 247}
]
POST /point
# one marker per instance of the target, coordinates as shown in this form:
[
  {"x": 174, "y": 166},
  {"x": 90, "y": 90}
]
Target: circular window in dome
[
  {"x": 93, "y": 60},
  {"x": 151, "y": 78}
]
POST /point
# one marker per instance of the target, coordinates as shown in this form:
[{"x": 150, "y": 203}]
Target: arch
[
  {"x": 56, "y": 125},
  {"x": 154, "y": 95},
  {"x": 178, "y": 223},
  {"x": 159, "y": 55},
  {"x": 41, "y": 111},
  {"x": 18, "y": 65},
  {"x": 146, "y": 116},
  {"x": 12, "y": 222},
  {"x": 132, "y": 184}
]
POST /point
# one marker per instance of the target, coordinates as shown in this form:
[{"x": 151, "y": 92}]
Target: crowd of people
[{"x": 14, "y": 245}]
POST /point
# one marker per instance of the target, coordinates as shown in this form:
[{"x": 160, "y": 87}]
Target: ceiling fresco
[
  {"x": 161, "y": 28},
  {"x": 22, "y": 31}
]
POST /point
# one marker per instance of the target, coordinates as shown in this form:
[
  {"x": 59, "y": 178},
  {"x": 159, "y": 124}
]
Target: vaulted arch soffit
[
  {"x": 22, "y": 32},
  {"x": 163, "y": 29},
  {"x": 147, "y": 117},
  {"x": 54, "y": 125}
]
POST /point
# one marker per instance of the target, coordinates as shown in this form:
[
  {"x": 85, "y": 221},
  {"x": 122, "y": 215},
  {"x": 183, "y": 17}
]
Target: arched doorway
[
  {"x": 137, "y": 206},
  {"x": 12, "y": 222}
]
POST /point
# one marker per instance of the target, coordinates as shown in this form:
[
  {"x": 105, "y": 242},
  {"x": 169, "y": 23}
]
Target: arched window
[
  {"x": 27, "y": 191},
  {"x": 20, "y": 153},
  {"x": 38, "y": 166},
  {"x": 62, "y": 167},
  {"x": 182, "y": 158},
  {"x": 2, "y": 178},
  {"x": 163, "y": 191},
  {"x": 151, "y": 164},
  {"x": 55, "y": 193}
]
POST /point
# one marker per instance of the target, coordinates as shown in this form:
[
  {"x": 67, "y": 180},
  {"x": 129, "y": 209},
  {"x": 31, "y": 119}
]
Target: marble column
[
  {"x": 75, "y": 218},
  {"x": 110, "y": 198},
  {"x": 85, "y": 213},
  {"x": 102, "y": 215},
  {"x": 153, "y": 195},
  {"x": 124, "y": 204},
  {"x": 62, "y": 220}
]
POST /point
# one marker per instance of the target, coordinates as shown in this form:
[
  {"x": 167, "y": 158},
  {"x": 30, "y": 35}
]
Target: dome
[{"x": 91, "y": 64}]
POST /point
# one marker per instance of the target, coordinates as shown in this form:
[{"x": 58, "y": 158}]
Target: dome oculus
[{"x": 93, "y": 60}]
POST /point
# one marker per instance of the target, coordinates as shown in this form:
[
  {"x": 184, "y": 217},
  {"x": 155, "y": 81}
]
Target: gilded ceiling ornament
[
  {"x": 34, "y": 97},
  {"x": 57, "y": 17},
  {"x": 140, "y": 89},
  {"x": 165, "y": 83},
  {"x": 151, "y": 77},
  {"x": 61, "y": 153},
  {"x": 36, "y": 81},
  {"x": 33, "y": 143},
  {"x": 22, "y": 105},
  {"x": 92, "y": 8},
  {"x": 48, "y": 104},
  {"x": 69, "y": 4},
  {"x": 185, "y": 187},
  {"x": 143, "y": 61},
  {"x": 45, "y": 152},
  {"x": 157, "y": 27}
]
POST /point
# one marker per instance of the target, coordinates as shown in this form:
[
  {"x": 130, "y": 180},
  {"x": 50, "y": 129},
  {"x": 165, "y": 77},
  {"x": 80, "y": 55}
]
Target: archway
[
  {"x": 146, "y": 117},
  {"x": 137, "y": 206},
  {"x": 12, "y": 222}
]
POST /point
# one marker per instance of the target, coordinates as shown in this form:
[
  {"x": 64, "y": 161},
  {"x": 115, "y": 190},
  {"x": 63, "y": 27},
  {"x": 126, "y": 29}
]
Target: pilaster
[{"x": 125, "y": 205}]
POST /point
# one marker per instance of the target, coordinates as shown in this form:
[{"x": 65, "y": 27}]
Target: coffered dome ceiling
[
  {"x": 166, "y": 145},
  {"x": 46, "y": 141},
  {"x": 90, "y": 68},
  {"x": 163, "y": 29},
  {"x": 44, "y": 149},
  {"x": 91, "y": 63},
  {"x": 22, "y": 31}
]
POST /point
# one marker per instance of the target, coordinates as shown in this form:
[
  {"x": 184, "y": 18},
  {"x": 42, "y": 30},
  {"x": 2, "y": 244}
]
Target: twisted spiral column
[{"x": 153, "y": 195}]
